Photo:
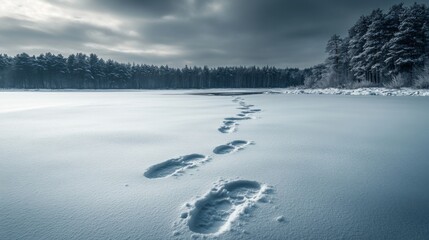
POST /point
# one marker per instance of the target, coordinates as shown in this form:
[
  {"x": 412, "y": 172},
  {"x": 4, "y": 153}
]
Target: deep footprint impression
[
  {"x": 228, "y": 126},
  {"x": 231, "y": 147},
  {"x": 238, "y": 118},
  {"x": 175, "y": 165},
  {"x": 224, "y": 204}
]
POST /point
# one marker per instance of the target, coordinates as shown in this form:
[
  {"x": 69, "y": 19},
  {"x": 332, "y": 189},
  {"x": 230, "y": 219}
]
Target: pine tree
[
  {"x": 60, "y": 69},
  {"x": 5, "y": 65},
  {"x": 374, "y": 38},
  {"x": 407, "y": 47},
  {"x": 23, "y": 70},
  {"x": 356, "y": 48},
  {"x": 334, "y": 62},
  {"x": 426, "y": 40},
  {"x": 391, "y": 26}
]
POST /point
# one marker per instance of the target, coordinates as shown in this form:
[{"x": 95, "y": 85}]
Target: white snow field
[{"x": 165, "y": 165}]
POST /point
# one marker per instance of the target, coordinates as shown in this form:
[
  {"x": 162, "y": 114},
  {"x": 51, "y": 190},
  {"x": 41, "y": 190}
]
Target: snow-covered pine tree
[
  {"x": 374, "y": 40},
  {"x": 407, "y": 47},
  {"x": 426, "y": 40},
  {"x": 391, "y": 26},
  {"x": 334, "y": 62},
  {"x": 314, "y": 75},
  {"x": 356, "y": 48},
  {"x": 345, "y": 62}
]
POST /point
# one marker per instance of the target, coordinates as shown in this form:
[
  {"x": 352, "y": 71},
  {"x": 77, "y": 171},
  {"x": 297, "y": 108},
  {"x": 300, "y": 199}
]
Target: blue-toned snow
[{"x": 72, "y": 166}]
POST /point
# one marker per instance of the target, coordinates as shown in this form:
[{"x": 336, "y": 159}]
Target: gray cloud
[
  {"x": 194, "y": 32},
  {"x": 28, "y": 36},
  {"x": 142, "y": 8}
]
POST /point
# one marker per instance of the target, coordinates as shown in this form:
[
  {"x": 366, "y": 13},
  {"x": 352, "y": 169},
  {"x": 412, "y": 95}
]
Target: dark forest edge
[
  {"x": 382, "y": 49},
  {"x": 79, "y": 71}
]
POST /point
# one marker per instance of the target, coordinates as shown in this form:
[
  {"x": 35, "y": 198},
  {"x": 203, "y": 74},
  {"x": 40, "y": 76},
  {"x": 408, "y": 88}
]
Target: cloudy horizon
[{"x": 182, "y": 32}]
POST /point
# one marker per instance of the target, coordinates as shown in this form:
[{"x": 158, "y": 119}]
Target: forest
[
  {"x": 79, "y": 71},
  {"x": 382, "y": 49}
]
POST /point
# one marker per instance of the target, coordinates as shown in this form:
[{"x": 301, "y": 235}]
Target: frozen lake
[{"x": 140, "y": 165}]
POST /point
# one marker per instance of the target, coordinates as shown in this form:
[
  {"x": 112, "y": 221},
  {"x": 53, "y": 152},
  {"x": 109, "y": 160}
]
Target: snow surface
[
  {"x": 360, "y": 91},
  {"x": 74, "y": 165}
]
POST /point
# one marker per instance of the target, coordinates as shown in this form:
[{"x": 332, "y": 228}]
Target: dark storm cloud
[
  {"x": 150, "y": 8},
  {"x": 29, "y": 36},
  {"x": 197, "y": 32}
]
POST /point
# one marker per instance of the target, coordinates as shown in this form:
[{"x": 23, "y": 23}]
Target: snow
[
  {"x": 280, "y": 219},
  {"x": 74, "y": 165},
  {"x": 225, "y": 203},
  {"x": 359, "y": 91},
  {"x": 231, "y": 147},
  {"x": 175, "y": 166}
]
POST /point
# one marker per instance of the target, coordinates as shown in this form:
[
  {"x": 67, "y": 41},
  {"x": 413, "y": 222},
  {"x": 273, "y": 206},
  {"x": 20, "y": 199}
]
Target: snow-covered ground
[
  {"x": 170, "y": 165},
  {"x": 360, "y": 91}
]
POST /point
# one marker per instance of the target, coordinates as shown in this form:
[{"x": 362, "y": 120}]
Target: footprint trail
[
  {"x": 227, "y": 205},
  {"x": 229, "y": 125}
]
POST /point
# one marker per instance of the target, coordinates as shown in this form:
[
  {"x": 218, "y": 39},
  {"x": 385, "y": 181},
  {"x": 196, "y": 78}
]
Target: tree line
[
  {"x": 80, "y": 71},
  {"x": 381, "y": 49}
]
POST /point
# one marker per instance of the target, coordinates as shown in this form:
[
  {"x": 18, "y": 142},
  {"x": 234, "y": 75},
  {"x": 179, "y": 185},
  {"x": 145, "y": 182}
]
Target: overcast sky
[{"x": 282, "y": 33}]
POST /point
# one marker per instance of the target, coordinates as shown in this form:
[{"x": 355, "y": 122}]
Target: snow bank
[{"x": 360, "y": 91}]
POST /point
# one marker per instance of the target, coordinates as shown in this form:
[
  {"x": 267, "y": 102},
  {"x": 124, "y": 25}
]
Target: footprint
[
  {"x": 231, "y": 147},
  {"x": 175, "y": 165},
  {"x": 246, "y": 105},
  {"x": 255, "y": 110},
  {"x": 237, "y": 99},
  {"x": 228, "y": 126},
  {"x": 237, "y": 118},
  {"x": 227, "y": 129},
  {"x": 227, "y": 202},
  {"x": 247, "y": 112}
]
